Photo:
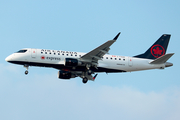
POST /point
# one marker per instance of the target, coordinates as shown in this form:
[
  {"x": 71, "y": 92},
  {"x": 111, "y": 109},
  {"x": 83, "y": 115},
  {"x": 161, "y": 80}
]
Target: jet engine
[
  {"x": 65, "y": 75},
  {"x": 71, "y": 62}
]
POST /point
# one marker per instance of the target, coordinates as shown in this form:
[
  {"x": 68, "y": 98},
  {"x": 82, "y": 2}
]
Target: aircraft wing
[{"x": 96, "y": 54}]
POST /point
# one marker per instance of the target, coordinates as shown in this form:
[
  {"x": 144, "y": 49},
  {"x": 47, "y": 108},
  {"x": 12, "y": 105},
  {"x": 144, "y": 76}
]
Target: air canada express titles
[
  {"x": 52, "y": 58},
  {"x": 58, "y": 51}
]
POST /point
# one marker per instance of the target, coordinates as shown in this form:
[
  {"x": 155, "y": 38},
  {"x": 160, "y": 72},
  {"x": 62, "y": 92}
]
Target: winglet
[{"x": 115, "y": 38}]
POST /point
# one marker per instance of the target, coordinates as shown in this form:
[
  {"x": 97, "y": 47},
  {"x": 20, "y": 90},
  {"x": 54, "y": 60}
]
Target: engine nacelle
[
  {"x": 65, "y": 75},
  {"x": 71, "y": 62}
]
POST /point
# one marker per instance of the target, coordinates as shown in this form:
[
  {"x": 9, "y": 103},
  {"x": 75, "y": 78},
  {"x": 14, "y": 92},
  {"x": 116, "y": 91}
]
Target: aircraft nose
[{"x": 8, "y": 58}]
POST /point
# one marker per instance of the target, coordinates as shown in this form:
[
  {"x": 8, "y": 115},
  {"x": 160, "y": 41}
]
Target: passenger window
[
  {"x": 58, "y": 53},
  {"x": 41, "y": 52},
  {"x": 49, "y": 53},
  {"x": 71, "y": 55},
  {"x": 119, "y": 58},
  {"x": 54, "y": 53},
  {"x": 106, "y": 57},
  {"x": 124, "y": 59},
  {"x": 75, "y": 55},
  {"x": 62, "y": 54},
  {"x": 111, "y": 58},
  {"x": 67, "y": 54},
  {"x": 115, "y": 58},
  {"x": 45, "y": 52}
]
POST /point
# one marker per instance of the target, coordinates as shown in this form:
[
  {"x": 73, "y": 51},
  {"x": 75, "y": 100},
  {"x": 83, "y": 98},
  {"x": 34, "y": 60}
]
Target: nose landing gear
[
  {"x": 26, "y": 66},
  {"x": 26, "y": 72}
]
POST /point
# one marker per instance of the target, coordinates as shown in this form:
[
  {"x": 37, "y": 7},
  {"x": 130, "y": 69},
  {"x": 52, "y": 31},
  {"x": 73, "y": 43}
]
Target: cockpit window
[{"x": 21, "y": 51}]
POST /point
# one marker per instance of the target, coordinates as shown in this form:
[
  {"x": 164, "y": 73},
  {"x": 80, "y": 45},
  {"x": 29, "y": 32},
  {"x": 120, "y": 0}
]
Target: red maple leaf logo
[{"x": 157, "y": 51}]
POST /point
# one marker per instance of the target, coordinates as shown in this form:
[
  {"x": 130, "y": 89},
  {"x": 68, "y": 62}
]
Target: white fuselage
[{"x": 56, "y": 58}]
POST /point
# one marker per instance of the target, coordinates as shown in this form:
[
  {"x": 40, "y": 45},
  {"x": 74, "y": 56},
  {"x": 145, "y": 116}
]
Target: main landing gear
[
  {"x": 26, "y": 66},
  {"x": 85, "y": 80},
  {"x": 87, "y": 72}
]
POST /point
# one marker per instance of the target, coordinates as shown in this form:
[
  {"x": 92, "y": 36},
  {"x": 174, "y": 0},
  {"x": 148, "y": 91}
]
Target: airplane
[{"x": 84, "y": 65}]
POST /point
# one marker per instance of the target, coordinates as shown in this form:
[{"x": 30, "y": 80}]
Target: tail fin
[{"x": 157, "y": 49}]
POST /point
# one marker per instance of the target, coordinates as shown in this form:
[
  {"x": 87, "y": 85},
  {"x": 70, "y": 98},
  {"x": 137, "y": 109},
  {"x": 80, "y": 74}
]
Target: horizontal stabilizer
[{"x": 162, "y": 59}]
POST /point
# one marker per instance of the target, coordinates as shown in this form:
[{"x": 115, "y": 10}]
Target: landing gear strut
[
  {"x": 88, "y": 66},
  {"x": 89, "y": 72},
  {"x": 26, "y": 66}
]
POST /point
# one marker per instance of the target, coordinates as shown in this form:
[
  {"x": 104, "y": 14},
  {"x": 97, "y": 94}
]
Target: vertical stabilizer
[{"x": 157, "y": 49}]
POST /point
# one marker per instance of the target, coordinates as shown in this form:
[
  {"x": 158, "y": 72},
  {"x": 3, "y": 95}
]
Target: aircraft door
[
  {"x": 33, "y": 53},
  {"x": 130, "y": 61}
]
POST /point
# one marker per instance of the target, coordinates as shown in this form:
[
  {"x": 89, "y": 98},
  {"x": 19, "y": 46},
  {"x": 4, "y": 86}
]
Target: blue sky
[{"x": 82, "y": 26}]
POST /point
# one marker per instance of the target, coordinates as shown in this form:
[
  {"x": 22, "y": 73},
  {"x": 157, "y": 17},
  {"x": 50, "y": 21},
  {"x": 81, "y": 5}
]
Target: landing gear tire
[
  {"x": 84, "y": 80},
  {"x": 26, "y": 72}
]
